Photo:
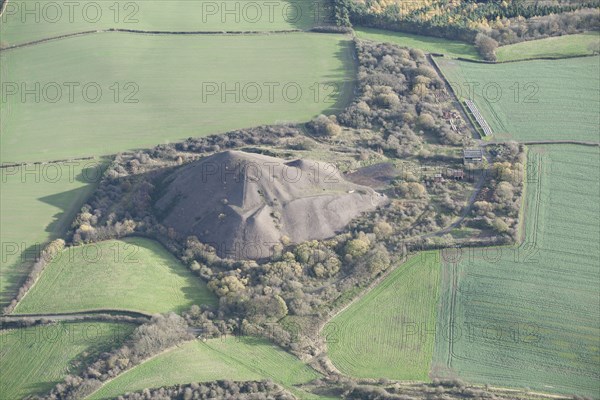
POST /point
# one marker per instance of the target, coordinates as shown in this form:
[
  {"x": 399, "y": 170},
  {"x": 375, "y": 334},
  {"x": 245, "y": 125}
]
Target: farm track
[
  {"x": 536, "y": 142},
  {"x": 142, "y": 32}
]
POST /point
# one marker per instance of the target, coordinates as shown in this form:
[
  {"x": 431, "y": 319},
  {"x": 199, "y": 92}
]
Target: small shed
[
  {"x": 472, "y": 156},
  {"x": 457, "y": 174}
]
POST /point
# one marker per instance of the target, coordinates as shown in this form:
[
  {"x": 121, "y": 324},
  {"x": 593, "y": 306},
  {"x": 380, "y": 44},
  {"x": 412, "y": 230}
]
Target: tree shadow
[
  {"x": 304, "y": 14},
  {"x": 69, "y": 202},
  {"x": 61, "y": 220},
  {"x": 192, "y": 284},
  {"x": 343, "y": 80},
  {"x": 90, "y": 354},
  {"x": 13, "y": 274},
  {"x": 40, "y": 387}
]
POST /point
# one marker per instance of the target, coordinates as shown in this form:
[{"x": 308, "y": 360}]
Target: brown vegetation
[{"x": 226, "y": 390}]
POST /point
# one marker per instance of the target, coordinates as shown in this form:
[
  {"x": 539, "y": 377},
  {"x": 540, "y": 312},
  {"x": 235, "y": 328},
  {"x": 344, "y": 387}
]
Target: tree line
[
  {"x": 485, "y": 24},
  {"x": 222, "y": 389}
]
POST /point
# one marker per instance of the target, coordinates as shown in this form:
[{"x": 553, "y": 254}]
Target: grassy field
[
  {"x": 37, "y": 204},
  {"x": 54, "y": 18},
  {"x": 555, "y": 47},
  {"x": 430, "y": 44},
  {"x": 131, "y": 274},
  {"x": 142, "y": 90},
  {"x": 532, "y": 100},
  {"x": 528, "y": 317},
  {"x": 35, "y": 359},
  {"x": 389, "y": 333},
  {"x": 233, "y": 358}
]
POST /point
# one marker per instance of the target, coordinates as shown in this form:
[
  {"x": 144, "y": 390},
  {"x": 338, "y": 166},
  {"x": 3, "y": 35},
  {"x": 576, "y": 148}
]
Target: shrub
[{"x": 486, "y": 46}]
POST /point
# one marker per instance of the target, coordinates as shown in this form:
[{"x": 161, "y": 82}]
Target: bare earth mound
[{"x": 244, "y": 203}]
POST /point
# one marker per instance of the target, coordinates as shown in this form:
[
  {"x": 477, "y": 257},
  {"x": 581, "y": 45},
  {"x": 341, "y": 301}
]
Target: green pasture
[
  {"x": 131, "y": 274},
  {"x": 554, "y": 47},
  {"x": 37, "y": 204},
  {"x": 234, "y": 358},
  {"x": 429, "y": 44},
  {"x": 532, "y": 100},
  {"x": 37, "y": 358},
  {"x": 23, "y": 22},
  {"x": 100, "y": 94}
]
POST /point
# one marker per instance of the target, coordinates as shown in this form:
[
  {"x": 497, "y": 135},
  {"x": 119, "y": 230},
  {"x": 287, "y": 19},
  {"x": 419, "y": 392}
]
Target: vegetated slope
[
  {"x": 47, "y": 18},
  {"x": 389, "y": 333},
  {"x": 141, "y": 90},
  {"x": 226, "y": 389},
  {"x": 234, "y": 358},
  {"x": 245, "y": 202},
  {"x": 131, "y": 274},
  {"x": 35, "y": 359},
  {"x": 528, "y": 317},
  {"x": 37, "y": 203},
  {"x": 555, "y": 47},
  {"x": 430, "y": 44},
  {"x": 532, "y": 100}
]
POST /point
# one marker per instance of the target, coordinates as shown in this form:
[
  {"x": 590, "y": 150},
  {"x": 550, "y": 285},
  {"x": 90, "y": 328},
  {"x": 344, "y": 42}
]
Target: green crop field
[
  {"x": 389, "y": 332},
  {"x": 35, "y": 359},
  {"x": 430, "y": 44},
  {"x": 131, "y": 274},
  {"x": 532, "y": 100},
  {"x": 553, "y": 47},
  {"x": 141, "y": 90},
  {"x": 47, "y": 18},
  {"x": 37, "y": 204},
  {"x": 528, "y": 317},
  {"x": 233, "y": 358}
]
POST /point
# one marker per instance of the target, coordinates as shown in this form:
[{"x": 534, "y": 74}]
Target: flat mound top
[{"x": 244, "y": 203}]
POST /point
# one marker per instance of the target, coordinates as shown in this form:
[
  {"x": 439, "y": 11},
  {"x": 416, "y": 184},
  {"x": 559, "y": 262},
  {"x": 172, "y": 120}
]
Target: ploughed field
[
  {"x": 390, "y": 331},
  {"x": 528, "y": 316}
]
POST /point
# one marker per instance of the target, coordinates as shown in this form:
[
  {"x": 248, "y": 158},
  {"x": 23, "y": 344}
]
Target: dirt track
[{"x": 534, "y": 142}]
